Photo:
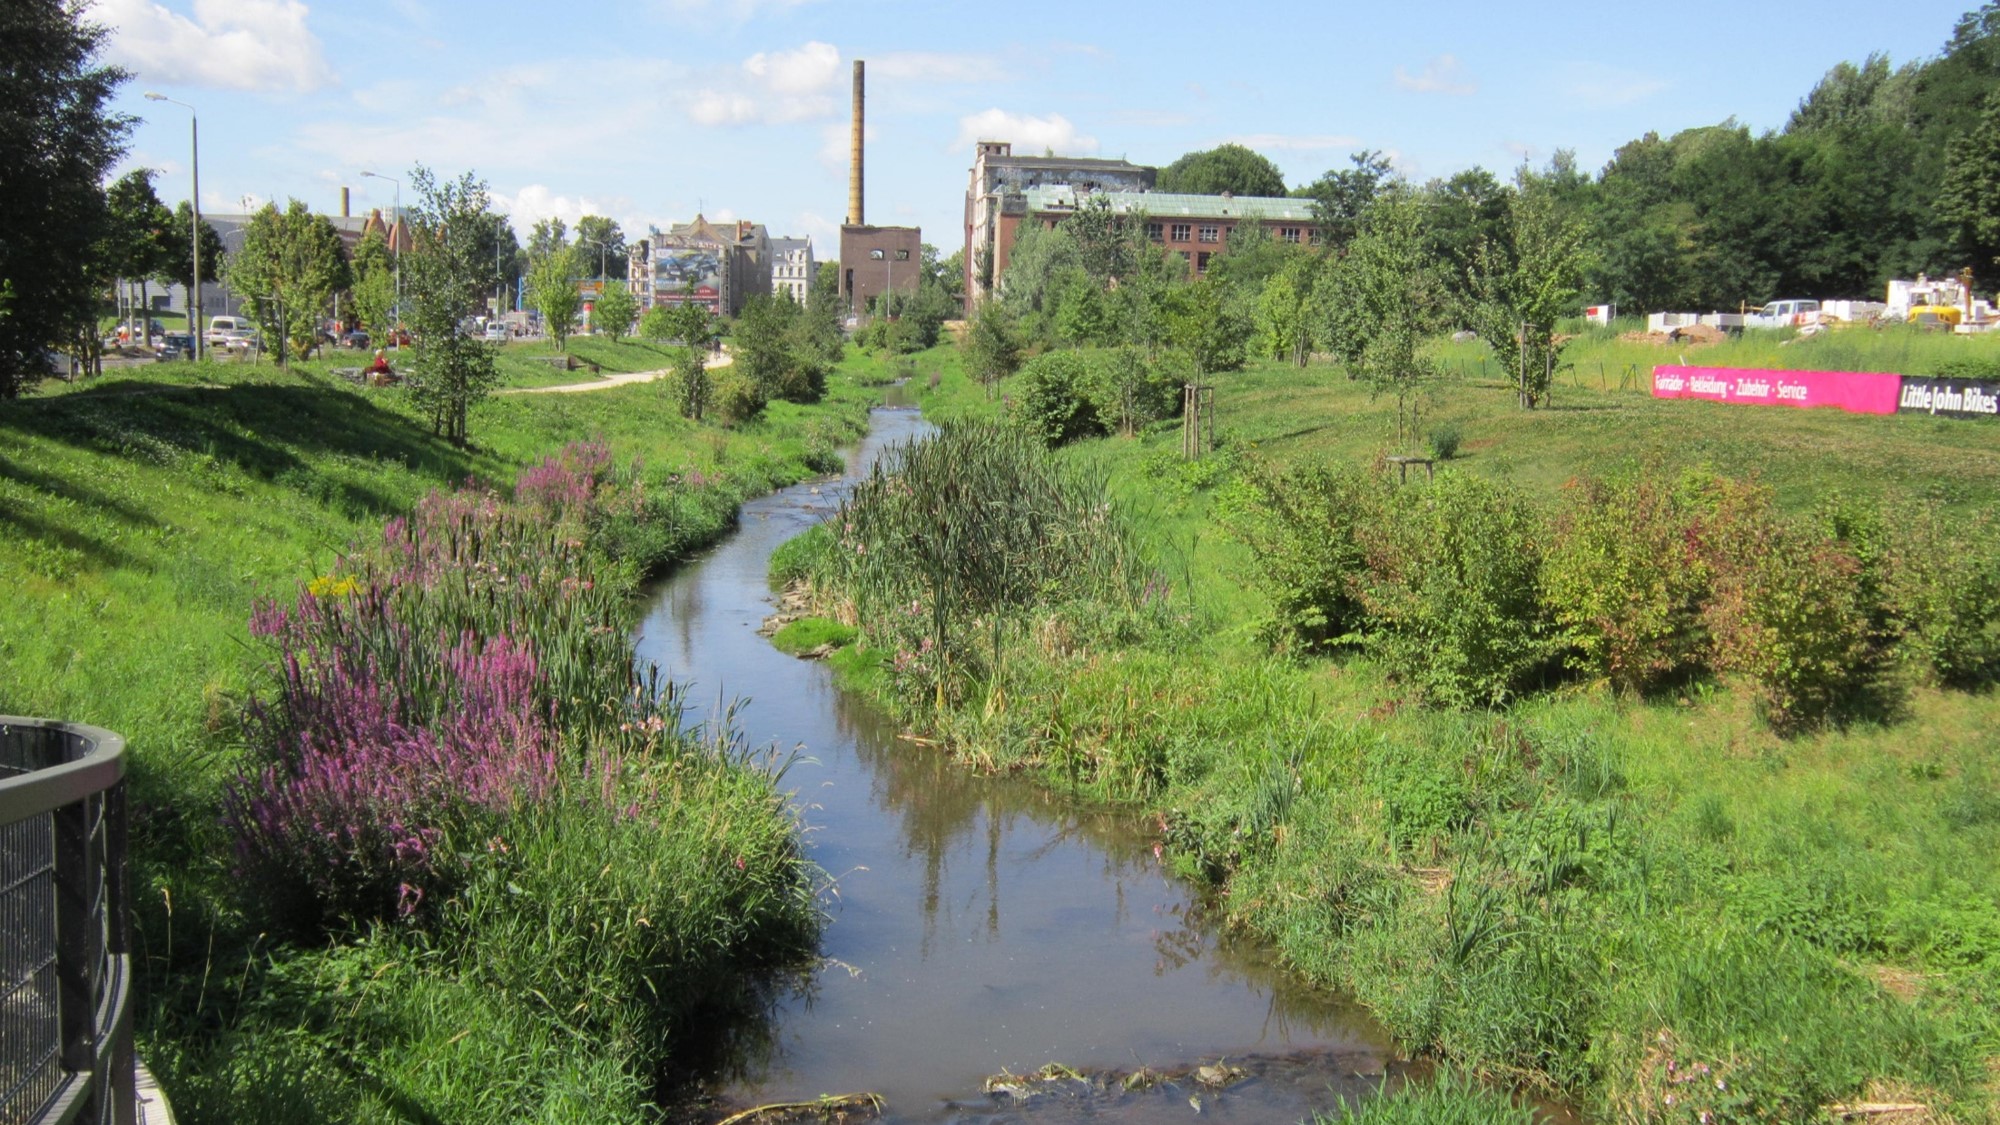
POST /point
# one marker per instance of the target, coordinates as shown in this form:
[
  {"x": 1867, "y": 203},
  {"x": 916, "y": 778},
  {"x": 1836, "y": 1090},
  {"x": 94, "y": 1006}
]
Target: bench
[
  {"x": 568, "y": 362},
  {"x": 1403, "y": 464},
  {"x": 351, "y": 374}
]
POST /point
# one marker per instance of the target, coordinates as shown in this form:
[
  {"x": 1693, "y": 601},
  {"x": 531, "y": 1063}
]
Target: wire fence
[{"x": 65, "y": 971}]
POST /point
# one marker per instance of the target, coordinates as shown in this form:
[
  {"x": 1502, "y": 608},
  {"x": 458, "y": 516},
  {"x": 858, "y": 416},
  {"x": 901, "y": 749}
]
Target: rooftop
[{"x": 1163, "y": 204}]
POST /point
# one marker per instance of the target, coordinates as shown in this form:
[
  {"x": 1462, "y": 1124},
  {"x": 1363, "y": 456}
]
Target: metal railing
[{"x": 65, "y": 937}]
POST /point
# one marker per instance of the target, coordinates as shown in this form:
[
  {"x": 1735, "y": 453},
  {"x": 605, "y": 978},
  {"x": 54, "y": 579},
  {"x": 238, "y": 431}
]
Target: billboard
[{"x": 1857, "y": 392}]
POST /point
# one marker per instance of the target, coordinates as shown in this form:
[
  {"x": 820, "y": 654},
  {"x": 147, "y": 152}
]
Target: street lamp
[
  {"x": 603, "y": 252},
  {"x": 397, "y": 248},
  {"x": 194, "y": 203}
]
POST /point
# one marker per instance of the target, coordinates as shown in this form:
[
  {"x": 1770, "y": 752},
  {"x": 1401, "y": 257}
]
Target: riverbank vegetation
[
  {"x": 1621, "y": 762},
  {"x": 410, "y": 840}
]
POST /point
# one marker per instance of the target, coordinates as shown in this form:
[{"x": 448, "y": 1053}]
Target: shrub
[
  {"x": 1625, "y": 580},
  {"x": 951, "y": 533},
  {"x": 734, "y": 398},
  {"x": 1444, "y": 441},
  {"x": 1127, "y": 392},
  {"x": 1055, "y": 400},
  {"x": 1453, "y": 591},
  {"x": 1790, "y": 614},
  {"x": 1304, "y": 527},
  {"x": 1942, "y": 593}
]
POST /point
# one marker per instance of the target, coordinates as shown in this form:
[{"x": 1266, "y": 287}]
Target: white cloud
[
  {"x": 537, "y": 202},
  {"x": 1442, "y": 75},
  {"x": 1286, "y": 142},
  {"x": 1031, "y": 135},
  {"x": 1601, "y": 85},
  {"x": 804, "y": 70},
  {"x": 261, "y": 45},
  {"x": 771, "y": 88}
]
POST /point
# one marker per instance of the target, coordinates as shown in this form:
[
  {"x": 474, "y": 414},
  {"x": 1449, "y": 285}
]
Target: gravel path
[{"x": 610, "y": 381}]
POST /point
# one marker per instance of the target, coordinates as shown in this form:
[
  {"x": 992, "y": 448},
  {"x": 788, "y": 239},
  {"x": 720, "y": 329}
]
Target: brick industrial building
[
  {"x": 1006, "y": 191},
  {"x": 873, "y": 260}
]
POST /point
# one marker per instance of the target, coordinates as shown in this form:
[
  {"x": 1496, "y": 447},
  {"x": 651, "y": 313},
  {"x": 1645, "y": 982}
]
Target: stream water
[{"x": 980, "y": 924}]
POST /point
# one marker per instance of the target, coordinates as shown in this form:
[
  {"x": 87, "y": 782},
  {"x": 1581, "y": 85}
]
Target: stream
[{"x": 981, "y": 925}]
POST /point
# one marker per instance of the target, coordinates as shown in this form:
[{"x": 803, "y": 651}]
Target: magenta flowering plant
[{"x": 473, "y": 664}]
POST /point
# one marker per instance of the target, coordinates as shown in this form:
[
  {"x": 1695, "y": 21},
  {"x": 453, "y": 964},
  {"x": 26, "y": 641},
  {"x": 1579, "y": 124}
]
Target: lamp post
[
  {"x": 397, "y": 247},
  {"x": 194, "y": 205}
]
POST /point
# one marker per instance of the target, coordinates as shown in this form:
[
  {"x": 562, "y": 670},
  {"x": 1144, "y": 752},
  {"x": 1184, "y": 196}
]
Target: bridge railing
[{"x": 65, "y": 934}]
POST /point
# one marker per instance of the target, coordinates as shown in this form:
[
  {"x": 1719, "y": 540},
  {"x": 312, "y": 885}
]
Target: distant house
[
  {"x": 1007, "y": 190},
  {"x": 792, "y": 268},
  {"x": 720, "y": 265},
  {"x": 996, "y": 203}
]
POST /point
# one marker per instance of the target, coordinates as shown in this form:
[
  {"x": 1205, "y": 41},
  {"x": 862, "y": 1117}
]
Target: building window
[
  {"x": 1289, "y": 234},
  {"x": 876, "y": 255},
  {"x": 1181, "y": 232},
  {"x": 1156, "y": 231},
  {"x": 902, "y": 255},
  {"x": 1211, "y": 234},
  {"x": 1201, "y": 261}
]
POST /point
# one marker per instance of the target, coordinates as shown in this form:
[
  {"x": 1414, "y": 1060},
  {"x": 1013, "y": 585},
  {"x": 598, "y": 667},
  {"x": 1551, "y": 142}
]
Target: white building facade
[{"x": 792, "y": 268}]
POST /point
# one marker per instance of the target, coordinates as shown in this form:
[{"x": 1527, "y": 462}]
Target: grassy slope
[
  {"x": 143, "y": 518},
  {"x": 1817, "y": 917}
]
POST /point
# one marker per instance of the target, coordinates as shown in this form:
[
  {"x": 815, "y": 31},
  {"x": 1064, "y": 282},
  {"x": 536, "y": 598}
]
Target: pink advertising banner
[{"x": 1857, "y": 392}]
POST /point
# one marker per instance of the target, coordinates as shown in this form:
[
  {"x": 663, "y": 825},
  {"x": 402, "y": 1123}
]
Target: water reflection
[{"x": 978, "y": 923}]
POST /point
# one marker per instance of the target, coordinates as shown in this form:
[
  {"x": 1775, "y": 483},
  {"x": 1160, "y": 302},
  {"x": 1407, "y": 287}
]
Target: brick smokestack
[
  {"x": 854, "y": 212},
  {"x": 343, "y": 204}
]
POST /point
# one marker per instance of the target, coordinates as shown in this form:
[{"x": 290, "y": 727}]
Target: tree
[
  {"x": 821, "y": 323},
  {"x": 547, "y": 236},
  {"x": 374, "y": 291},
  {"x": 691, "y": 383},
  {"x": 992, "y": 345},
  {"x": 768, "y": 352},
  {"x": 60, "y": 139},
  {"x": 291, "y": 265},
  {"x": 1530, "y": 281},
  {"x": 1203, "y": 323},
  {"x": 604, "y": 243},
  {"x": 178, "y": 268},
  {"x": 1970, "y": 199},
  {"x": 1342, "y": 196},
  {"x": 1226, "y": 168},
  {"x": 137, "y": 247},
  {"x": 614, "y": 310},
  {"x": 552, "y": 289},
  {"x": 1382, "y": 301},
  {"x": 448, "y": 269},
  {"x": 1284, "y": 311}
]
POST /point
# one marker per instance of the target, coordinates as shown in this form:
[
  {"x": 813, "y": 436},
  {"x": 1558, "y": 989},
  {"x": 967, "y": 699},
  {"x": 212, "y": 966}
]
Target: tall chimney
[
  {"x": 854, "y": 212},
  {"x": 343, "y": 204}
]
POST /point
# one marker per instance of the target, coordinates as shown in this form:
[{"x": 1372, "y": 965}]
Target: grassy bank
[
  {"x": 1651, "y": 904},
  {"x": 150, "y": 511}
]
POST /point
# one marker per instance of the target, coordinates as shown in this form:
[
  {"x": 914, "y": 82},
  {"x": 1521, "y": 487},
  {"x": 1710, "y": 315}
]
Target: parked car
[
  {"x": 355, "y": 339},
  {"x": 234, "y": 339},
  {"x": 220, "y": 326},
  {"x": 496, "y": 331},
  {"x": 175, "y": 345}
]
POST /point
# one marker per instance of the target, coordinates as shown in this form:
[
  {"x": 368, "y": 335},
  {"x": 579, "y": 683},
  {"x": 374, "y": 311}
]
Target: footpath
[{"x": 609, "y": 381}]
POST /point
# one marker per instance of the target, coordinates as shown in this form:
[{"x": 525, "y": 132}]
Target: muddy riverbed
[{"x": 984, "y": 927}]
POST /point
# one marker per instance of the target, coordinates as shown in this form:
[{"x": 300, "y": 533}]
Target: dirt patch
[{"x": 1693, "y": 336}]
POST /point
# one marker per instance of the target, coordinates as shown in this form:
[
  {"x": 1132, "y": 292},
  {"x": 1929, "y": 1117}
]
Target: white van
[{"x": 220, "y": 328}]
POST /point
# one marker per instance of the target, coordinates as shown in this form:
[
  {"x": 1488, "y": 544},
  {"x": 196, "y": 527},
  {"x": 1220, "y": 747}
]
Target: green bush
[
  {"x": 1055, "y": 399},
  {"x": 1451, "y": 1099},
  {"x": 1305, "y": 529},
  {"x": 1453, "y": 592},
  {"x": 1790, "y": 614},
  {"x": 1943, "y": 595},
  {"x": 1444, "y": 441},
  {"x": 734, "y": 398},
  {"x": 1625, "y": 580}
]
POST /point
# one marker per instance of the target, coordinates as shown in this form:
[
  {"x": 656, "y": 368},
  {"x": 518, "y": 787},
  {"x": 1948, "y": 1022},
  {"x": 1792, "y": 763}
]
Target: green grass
[
  {"x": 1573, "y": 892},
  {"x": 144, "y": 514},
  {"x": 809, "y": 633}
]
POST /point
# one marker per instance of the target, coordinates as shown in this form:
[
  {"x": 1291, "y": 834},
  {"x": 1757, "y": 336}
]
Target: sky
[{"x": 651, "y": 110}]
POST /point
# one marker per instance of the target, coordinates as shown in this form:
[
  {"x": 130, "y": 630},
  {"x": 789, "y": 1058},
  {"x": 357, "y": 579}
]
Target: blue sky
[{"x": 647, "y": 110}]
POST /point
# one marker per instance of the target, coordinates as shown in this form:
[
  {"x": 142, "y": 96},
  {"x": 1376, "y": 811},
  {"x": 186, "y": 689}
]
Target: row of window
[{"x": 1208, "y": 233}]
